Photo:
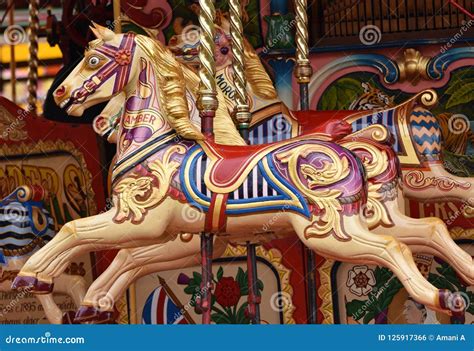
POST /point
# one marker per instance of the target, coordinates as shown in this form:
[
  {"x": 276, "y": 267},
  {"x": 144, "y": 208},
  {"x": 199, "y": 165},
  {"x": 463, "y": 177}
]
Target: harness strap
[
  {"x": 216, "y": 218},
  {"x": 119, "y": 64}
]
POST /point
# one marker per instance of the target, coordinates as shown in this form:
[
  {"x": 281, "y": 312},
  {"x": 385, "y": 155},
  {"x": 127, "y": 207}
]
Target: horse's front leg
[
  {"x": 369, "y": 248},
  {"x": 132, "y": 264},
  {"x": 94, "y": 233}
]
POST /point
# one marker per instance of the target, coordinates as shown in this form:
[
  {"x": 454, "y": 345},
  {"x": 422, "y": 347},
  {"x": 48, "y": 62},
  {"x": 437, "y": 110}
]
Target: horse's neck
[
  {"x": 143, "y": 119},
  {"x": 225, "y": 82}
]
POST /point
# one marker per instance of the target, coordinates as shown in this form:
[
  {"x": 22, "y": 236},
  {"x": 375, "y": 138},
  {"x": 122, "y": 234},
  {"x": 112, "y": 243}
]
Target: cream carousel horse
[
  {"x": 25, "y": 225},
  {"x": 427, "y": 235},
  {"x": 417, "y": 133},
  {"x": 164, "y": 165}
]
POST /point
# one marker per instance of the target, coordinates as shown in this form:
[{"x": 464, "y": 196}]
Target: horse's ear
[{"x": 101, "y": 32}]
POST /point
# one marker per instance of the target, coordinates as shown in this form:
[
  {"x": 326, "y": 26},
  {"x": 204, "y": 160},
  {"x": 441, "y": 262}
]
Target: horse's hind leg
[
  {"x": 367, "y": 247},
  {"x": 429, "y": 236},
  {"x": 131, "y": 264}
]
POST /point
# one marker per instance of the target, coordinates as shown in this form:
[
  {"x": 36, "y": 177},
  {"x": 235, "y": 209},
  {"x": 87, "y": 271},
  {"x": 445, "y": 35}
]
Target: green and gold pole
[
  {"x": 207, "y": 105},
  {"x": 243, "y": 116},
  {"x": 303, "y": 72}
]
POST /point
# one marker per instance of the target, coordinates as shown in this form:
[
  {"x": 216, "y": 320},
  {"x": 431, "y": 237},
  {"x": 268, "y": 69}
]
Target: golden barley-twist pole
[
  {"x": 207, "y": 97},
  {"x": 32, "y": 82},
  {"x": 243, "y": 117},
  {"x": 303, "y": 73},
  {"x": 207, "y": 105},
  {"x": 242, "y": 111}
]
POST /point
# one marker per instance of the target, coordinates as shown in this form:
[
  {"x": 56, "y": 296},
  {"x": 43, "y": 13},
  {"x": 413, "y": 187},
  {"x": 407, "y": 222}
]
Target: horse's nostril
[
  {"x": 224, "y": 50},
  {"x": 60, "y": 91}
]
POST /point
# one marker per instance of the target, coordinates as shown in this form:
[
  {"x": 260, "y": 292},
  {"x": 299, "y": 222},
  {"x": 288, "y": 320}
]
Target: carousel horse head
[
  {"x": 142, "y": 68},
  {"x": 185, "y": 46}
]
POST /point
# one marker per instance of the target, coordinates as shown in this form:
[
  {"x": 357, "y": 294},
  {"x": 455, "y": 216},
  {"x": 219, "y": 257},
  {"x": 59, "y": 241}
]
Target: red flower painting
[{"x": 227, "y": 292}]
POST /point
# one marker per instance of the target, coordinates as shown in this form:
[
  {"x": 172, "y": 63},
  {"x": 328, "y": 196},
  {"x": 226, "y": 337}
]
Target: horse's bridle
[{"x": 119, "y": 65}]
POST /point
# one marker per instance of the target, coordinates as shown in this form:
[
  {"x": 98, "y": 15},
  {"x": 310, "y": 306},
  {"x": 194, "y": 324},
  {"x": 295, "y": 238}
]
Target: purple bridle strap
[{"x": 119, "y": 65}]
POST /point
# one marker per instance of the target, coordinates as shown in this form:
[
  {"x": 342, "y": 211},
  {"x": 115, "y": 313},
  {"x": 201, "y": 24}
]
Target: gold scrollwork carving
[
  {"x": 412, "y": 66},
  {"x": 138, "y": 194},
  {"x": 326, "y": 199},
  {"x": 468, "y": 211},
  {"x": 417, "y": 180}
]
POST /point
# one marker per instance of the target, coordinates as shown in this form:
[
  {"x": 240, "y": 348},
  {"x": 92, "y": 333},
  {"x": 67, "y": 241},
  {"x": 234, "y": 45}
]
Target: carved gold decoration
[
  {"x": 326, "y": 200},
  {"x": 325, "y": 292},
  {"x": 376, "y": 213},
  {"x": 458, "y": 233},
  {"x": 374, "y": 165},
  {"x": 12, "y": 128},
  {"x": 46, "y": 147},
  {"x": 122, "y": 309},
  {"x": 412, "y": 66},
  {"x": 418, "y": 181},
  {"x": 468, "y": 211},
  {"x": 375, "y": 132},
  {"x": 137, "y": 195},
  {"x": 428, "y": 98},
  {"x": 274, "y": 256}
]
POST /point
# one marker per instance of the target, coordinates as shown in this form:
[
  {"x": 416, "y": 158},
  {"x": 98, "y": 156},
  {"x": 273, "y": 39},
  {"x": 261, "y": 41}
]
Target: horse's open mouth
[{"x": 66, "y": 104}]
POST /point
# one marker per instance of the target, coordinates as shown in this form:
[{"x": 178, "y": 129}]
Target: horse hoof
[
  {"x": 453, "y": 302},
  {"x": 92, "y": 315},
  {"x": 31, "y": 284}
]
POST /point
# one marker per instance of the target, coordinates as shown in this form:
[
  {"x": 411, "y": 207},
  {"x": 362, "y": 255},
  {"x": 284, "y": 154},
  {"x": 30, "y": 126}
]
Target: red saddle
[
  {"x": 230, "y": 162},
  {"x": 327, "y": 122}
]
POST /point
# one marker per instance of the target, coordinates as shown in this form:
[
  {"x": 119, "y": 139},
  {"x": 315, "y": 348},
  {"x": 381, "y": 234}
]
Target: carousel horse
[
  {"x": 165, "y": 166},
  {"x": 417, "y": 133},
  {"x": 25, "y": 226},
  {"x": 427, "y": 235}
]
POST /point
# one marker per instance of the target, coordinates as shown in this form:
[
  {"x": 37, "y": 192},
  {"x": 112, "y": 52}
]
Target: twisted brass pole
[
  {"x": 207, "y": 96},
  {"x": 32, "y": 82},
  {"x": 243, "y": 117},
  {"x": 303, "y": 72},
  {"x": 207, "y": 105},
  {"x": 242, "y": 110}
]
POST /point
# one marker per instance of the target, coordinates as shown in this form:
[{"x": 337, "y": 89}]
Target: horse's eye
[{"x": 93, "y": 61}]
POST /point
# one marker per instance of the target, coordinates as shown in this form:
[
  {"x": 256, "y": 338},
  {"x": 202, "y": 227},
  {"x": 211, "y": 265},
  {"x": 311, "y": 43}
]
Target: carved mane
[
  {"x": 174, "y": 78},
  {"x": 256, "y": 74}
]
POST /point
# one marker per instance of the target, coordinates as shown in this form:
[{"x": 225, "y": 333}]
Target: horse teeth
[{"x": 64, "y": 103}]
